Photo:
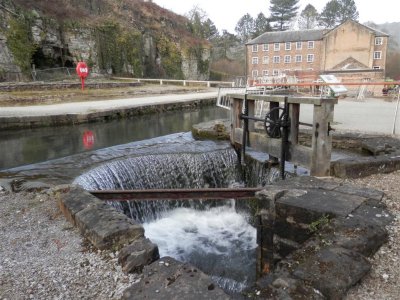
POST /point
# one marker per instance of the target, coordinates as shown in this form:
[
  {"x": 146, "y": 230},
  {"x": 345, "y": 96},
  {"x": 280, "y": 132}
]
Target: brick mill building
[{"x": 351, "y": 51}]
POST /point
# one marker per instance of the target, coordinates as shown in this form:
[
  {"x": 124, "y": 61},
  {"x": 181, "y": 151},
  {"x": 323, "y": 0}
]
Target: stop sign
[{"x": 82, "y": 69}]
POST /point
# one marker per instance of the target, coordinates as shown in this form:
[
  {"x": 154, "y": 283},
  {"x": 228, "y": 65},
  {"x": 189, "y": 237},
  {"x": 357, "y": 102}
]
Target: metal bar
[
  {"x": 306, "y": 124},
  {"x": 252, "y": 118},
  {"x": 176, "y": 194}
]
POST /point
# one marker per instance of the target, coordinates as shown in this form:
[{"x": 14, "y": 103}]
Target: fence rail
[{"x": 183, "y": 82}]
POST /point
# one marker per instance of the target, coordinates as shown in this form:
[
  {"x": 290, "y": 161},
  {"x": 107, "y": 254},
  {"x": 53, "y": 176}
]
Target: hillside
[
  {"x": 125, "y": 37},
  {"x": 392, "y": 29}
]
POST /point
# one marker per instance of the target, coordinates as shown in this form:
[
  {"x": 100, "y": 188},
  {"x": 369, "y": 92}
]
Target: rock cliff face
[{"x": 126, "y": 37}]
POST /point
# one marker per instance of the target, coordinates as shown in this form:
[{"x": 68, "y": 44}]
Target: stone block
[
  {"x": 364, "y": 166},
  {"x": 107, "y": 228},
  {"x": 310, "y": 206},
  {"x": 307, "y": 182},
  {"x": 286, "y": 228},
  {"x": 289, "y": 288},
  {"x": 371, "y": 194},
  {"x": 355, "y": 234},
  {"x": 171, "y": 279},
  {"x": 73, "y": 200},
  {"x": 332, "y": 270},
  {"x": 374, "y": 213},
  {"x": 138, "y": 254}
]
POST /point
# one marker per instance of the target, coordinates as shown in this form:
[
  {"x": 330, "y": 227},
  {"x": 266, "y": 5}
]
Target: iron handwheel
[{"x": 274, "y": 121}]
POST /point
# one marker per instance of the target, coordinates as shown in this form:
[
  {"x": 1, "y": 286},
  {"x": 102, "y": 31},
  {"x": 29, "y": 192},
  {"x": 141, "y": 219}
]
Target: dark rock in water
[
  {"x": 137, "y": 255},
  {"x": 171, "y": 279}
]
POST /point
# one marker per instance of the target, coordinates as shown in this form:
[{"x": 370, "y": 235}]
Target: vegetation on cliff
[{"x": 128, "y": 37}]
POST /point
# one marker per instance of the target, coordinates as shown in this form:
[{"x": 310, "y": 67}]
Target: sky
[{"x": 226, "y": 13}]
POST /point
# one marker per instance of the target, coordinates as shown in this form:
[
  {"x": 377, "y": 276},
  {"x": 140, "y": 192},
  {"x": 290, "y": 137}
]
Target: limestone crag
[{"x": 133, "y": 38}]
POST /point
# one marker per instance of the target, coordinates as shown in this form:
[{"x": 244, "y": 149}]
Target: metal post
[
  {"x": 396, "y": 112},
  {"x": 285, "y": 137},
  {"x": 245, "y": 129}
]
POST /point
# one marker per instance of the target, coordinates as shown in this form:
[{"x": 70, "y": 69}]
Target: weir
[{"x": 213, "y": 233}]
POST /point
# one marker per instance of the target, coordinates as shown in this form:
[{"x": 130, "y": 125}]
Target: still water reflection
[{"x": 22, "y": 147}]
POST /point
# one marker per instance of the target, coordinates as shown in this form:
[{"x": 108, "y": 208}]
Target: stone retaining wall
[
  {"x": 9, "y": 87},
  {"x": 73, "y": 119}
]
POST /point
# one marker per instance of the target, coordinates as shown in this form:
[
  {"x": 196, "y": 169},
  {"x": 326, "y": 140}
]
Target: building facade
[{"x": 350, "y": 50}]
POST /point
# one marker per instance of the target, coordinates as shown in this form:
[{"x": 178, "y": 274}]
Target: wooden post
[
  {"x": 236, "y": 110},
  {"x": 321, "y": 140}
]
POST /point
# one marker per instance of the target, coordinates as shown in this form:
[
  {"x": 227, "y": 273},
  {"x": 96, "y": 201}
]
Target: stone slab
[
  {"x": 362, "y": 192},
  {"x": 364, "y": 166},
  {"x": 313, "y": 204},
  {"x": 107, "y": 228},
  {"x": 332, "y": 270},
  {"x": 171, "y": 279},
  {"x": 355, "y": 234},
  {"x": 138, "y": 254},
  {"x": 307, "y": 182},
  {"x": 74, "y": 200},
  {"x": 289, "y": 289}
]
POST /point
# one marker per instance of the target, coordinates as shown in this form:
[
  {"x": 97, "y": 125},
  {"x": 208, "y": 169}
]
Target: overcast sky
[{"x": 226, "y": 13}]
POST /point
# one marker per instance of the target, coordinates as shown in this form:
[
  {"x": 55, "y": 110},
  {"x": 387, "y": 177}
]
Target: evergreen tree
[
  {"x": 245, "y": 27},
  {"x": 348, "y": 10},
  {"x": 261, "y": 25},
  {"x": 224, "y": 42},
  {"x": 282, "y": 13},
  {"x": 329, "y": 16},
  {"x": 200, "y": 25},
  {"x": 338, "y": 11},
  {"x": 308, "y": 17}
]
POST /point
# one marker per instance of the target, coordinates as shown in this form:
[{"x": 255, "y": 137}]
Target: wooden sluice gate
[{"x": 281, "y": 124}]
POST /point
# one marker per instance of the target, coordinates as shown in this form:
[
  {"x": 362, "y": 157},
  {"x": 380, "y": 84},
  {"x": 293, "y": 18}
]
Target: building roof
[
  {"x": 302, "y": 35},
  {"x": 289, "y": 36}
]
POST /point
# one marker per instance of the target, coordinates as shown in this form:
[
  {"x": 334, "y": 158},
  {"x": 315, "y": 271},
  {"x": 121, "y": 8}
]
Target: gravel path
[{"x": 44, "y": 257}]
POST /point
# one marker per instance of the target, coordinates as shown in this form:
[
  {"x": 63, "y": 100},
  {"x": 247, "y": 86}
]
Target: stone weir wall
[{"x": 314, "y": 238}]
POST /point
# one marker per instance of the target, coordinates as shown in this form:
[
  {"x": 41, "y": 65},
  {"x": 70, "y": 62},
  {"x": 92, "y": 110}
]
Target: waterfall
[{"x": 216, "y": 168}]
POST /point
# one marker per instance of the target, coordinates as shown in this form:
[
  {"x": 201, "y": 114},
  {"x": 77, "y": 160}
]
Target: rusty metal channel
[{"x": 176, "y": 194}]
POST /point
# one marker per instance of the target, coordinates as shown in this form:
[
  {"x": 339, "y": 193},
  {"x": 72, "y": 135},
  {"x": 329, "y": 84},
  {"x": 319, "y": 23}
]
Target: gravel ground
[
  {"x": 44, "y": 257},
  {"x": 382, "y": 281}
]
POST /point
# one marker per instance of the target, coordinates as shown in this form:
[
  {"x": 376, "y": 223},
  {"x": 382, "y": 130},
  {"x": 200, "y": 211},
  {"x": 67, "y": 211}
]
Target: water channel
[{"x": 30, "y": 146}]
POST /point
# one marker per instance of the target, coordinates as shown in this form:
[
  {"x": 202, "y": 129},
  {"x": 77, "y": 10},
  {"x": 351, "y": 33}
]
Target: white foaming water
[{"x": 218, "y": 241}]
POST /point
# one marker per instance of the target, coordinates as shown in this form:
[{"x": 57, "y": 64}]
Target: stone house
[{"x": 351, "y": 51}]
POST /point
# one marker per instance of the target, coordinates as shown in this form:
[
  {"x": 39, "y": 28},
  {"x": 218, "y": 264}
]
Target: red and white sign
[
  {"x": 88, "y": 139},
  {"x": 83, "y": 71}
]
